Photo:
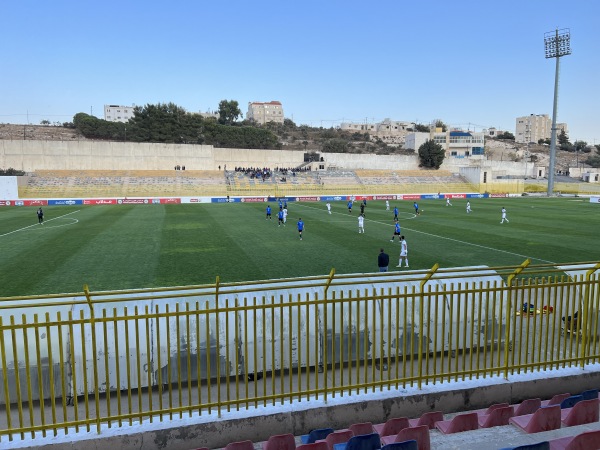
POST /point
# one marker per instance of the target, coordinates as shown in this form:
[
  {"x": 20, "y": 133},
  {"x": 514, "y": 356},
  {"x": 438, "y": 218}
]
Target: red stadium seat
[
  {"x": 280, "y": 442},
  {"x": 337, "y": 437},
  {"x": 544, "y": 419},
  {"x": 497, "y": 418},
  {"x": 428, "y": 418},
  {"x": 485, "y": 412},
  {"x": 419, "y": 433},
  {"x": 392, "y": 426},
  {"x": 362, "y": 428},
  {"x": 528, "y": 406},
  {"x": 240, "y": 445},
  {"x": 590, "y": 440},
  {"x": 585, "y": 411},
  {"x": 459, "y": 423},
  {"x": 314, "y": 446}
]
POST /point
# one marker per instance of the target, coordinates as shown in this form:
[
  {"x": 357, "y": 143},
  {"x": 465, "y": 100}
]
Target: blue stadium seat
[
  {"x": 361, "y": 442},
  {"x": 406, "y": 445},
  {"x": 315, "y": 435},
  {"x": 539, "y": 446},
  {"x": 590, "y": 394},
  {"x": 571, "y": 401}
]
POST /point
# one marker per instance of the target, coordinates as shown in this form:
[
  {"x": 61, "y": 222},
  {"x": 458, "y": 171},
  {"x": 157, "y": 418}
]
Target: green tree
[
  {"x": 593, "y": 161},
  {"x": 229, "y": 111},
  {"x": 305, "y": 143},
  {"x": 289, "y": 125},
  {"x": 164, "y": 122},
  {"x": 506, "y": 135},
  {"x": 335, "y": 146},
  {"x": 44, "y": 122},
  {"x": 580, "y": 146},
  {"x": 419, "y": 127},
  {"x": 563, "y": 139},
  {"x": 431, "y": 155},
  {"x": 440, "y": 124},
  {"x": 94, "y": 128},
  {"x": 238, "y": 137}
]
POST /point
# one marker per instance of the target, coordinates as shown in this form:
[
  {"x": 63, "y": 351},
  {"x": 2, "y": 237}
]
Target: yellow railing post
[
  {"x": 424, "y": 281},
  {"x": 509, "y": 282},
  {"x": 587, "y": 327},
  {"x": 88, "y": 297},
  {"x": 218, "y": 344},
  {"x": 5, "y": 380},
  {"x": 326, "y": 323}
]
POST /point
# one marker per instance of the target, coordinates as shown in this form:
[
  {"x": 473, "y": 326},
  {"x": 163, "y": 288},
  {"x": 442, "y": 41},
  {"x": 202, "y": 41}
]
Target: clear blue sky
[{"x": 465, "y": 62}]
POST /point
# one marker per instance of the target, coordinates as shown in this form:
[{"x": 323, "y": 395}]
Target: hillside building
[
  {"x": 414, "y": 140},
  {"x": 456, "y": 143},
  {"x": 534, "y": 127},
  {"x": 390, "y": 131},
  {"x": 117, "y": 113},
  {"x": 460, "y": 144},
  {"x": 385, "y": 127},
  {"x": 262, "y": 113}
]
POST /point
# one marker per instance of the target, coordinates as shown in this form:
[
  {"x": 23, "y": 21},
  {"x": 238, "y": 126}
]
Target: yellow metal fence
[{"x": 112, "y": 358}]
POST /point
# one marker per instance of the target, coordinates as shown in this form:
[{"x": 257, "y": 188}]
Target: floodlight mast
[{"x": 556, "y": 43}]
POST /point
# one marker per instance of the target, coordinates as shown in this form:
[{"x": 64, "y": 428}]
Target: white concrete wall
[
  {"x": 29, "y": 155},
  {"x": 216, "y": 430},
  {"x": 354, "y": 161}
]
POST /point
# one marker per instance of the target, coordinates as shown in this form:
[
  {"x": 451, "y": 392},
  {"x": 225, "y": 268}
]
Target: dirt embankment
[{"x": 39, "y": 132}]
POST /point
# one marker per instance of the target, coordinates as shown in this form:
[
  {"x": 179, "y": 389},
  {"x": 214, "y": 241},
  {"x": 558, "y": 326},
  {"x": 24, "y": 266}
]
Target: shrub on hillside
[{"x": 10, "y": 172}]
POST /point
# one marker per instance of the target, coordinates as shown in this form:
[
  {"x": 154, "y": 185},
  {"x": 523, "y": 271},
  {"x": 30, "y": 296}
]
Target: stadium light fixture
[{"x": 556, "y": 43}]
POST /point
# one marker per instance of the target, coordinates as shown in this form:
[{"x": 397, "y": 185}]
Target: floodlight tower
[{"x": 556, "y": 43}]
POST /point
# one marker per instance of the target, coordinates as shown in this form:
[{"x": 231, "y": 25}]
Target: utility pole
[{"x": 556, "y": 44}]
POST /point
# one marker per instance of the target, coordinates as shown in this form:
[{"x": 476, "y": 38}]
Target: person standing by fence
[{"x": 383, "y": 261}]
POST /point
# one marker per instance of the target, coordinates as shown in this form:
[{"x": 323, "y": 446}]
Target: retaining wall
[
  {"x": 257, "y": 425},
  {"x": 30, "y": 155}
]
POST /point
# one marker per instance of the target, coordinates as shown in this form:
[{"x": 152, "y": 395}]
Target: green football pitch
[{"x": 127, "y": 247}]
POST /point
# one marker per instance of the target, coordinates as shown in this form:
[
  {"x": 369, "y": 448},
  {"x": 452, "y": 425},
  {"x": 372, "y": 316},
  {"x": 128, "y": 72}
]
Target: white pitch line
[
  {"x": 451, "y": 239},
  {"x": 36, "y": 224}
]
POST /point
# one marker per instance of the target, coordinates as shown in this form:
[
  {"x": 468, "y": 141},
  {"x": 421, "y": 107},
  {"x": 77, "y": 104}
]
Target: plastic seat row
[
  {"x": 552, "y": 417},
  {"x": 589, "y": 440},
  {"x": 532, "y": 415},
  {"x": 395, "y": 431}
]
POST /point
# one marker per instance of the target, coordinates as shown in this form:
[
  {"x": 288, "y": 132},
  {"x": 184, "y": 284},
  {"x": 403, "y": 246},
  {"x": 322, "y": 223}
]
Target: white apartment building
[
  {"x": 386, "y": 127},
  {"x": 265, "y": 112},
  {"x": 389, "y": 131},
  {"x": 492, "y": 131},
  {"x": 456, "y": 143},
  {"x": 460, "y": 144},
  {"x": 534, "y": 127},
  {"x": 117, "y": 113}
]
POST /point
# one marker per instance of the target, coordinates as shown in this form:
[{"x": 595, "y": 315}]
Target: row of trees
[
  {"x": 10, "y": 172},
  {"x": 169, "y": 123}
]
